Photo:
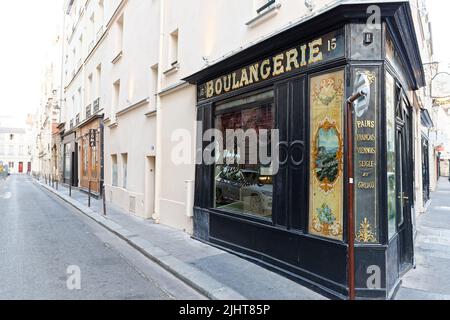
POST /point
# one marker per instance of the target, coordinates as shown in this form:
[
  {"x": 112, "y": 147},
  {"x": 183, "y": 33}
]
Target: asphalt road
[{"x": 44, "y": 243}]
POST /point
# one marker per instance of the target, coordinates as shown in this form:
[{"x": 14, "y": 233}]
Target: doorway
[
  {"x": 425, "y": 169},
  {"x": 404, "y": 184},
  {"x": 149, "y": 186},
  {"x": 20, "y": 167},
  {"x": 74, "y": 167}
]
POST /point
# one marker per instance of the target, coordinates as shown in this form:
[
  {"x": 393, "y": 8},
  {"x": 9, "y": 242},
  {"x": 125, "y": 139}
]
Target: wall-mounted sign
[
  {"x": 440, "y": 87},
  {"x": 320, "y": 49},
  {"x": 92, "y": 138}
]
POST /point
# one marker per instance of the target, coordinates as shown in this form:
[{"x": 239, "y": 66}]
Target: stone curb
[{"x": 196, "y": 279}]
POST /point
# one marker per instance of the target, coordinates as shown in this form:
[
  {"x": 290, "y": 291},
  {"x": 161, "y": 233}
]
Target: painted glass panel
[
  {"x": 94, "y": 162},
  {"x": 67, "y": 162},
  {"x": 365, "y": 149},
  {"x": 326, "y": 158},
  {"x": 391, "y": 156},
  {"x": 85, "y": 157}
]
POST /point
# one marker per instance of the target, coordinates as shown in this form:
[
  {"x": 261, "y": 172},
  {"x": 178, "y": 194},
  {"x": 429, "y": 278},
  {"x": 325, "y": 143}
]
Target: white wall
[
  {"x": 133, "y": 132},
  {"x": 21, "y": 147}
]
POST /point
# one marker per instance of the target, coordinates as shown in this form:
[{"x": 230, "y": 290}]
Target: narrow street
[{"x": 41, "y": 237}]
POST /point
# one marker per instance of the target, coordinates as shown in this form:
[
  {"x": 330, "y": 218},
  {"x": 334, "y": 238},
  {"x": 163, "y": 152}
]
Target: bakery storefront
[{"x": 293, "y": 215}]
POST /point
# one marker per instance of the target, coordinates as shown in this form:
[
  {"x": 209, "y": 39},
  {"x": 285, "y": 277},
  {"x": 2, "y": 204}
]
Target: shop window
[
  {"x": 85, "y": 157},
  {"x": 326, "y": 157},
  {"x": 243, "y": 184},
  {"x": 98, "y": 80},
  {"x": 67, "y": 161},
  {"x": 94, "y": 162},
  {"x": 124, "y": 170},
  {"x": 116, "y": 97},
  {"x": 89, "y": 90},
  {"x": 391, "y": 153},
  {"x": 115, "y": 180},
  {"x": 173, "y": 53},
  {"x": 79, "y": 100},
  {"x": 154, "y": 85},
  {"x": 119, "y": 35}
]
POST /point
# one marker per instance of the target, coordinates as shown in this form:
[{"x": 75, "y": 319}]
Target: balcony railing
[
  {"x": 96, "y": 104},
  {"x": 88, "y": 111}
]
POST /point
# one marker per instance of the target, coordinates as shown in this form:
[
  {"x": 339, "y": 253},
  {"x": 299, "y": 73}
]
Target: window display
[
  {"x": 242, "y": 183},
  {"x": 391, "y": 156}
]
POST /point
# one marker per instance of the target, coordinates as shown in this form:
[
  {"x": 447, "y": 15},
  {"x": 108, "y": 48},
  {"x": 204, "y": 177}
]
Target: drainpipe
[{"x": 158, "y": 166}]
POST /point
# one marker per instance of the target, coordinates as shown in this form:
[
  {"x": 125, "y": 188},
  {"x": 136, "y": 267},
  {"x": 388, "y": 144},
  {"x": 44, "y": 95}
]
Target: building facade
[
  {"x": 144, "y": 81},
  {"x": 424, "y": 118},
  {"x": 130, "y": 116},
  {"x": 298, "y": 81},
  {"x": 46, "y": 118},
  {"x": 81, "y": 125},
  {"x": 110, "y": 73},
  {"x": 15, "y": 149}
]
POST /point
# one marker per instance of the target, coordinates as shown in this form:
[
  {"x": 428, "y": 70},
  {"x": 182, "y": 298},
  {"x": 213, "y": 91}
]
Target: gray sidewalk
[
  {"x": 213, "y": 272},
  {"x": 431, "y": 278}
]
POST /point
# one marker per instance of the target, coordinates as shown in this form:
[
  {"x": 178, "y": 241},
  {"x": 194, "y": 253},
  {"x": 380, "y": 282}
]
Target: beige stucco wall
[
  {"x": 131, "y": 132},
  {"x": 178, "y": 116},
  {"x": 135, "y": 136}
]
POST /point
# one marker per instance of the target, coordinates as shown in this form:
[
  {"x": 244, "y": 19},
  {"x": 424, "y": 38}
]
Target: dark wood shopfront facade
[
  {"x": 90, "y": 143},
  {"x": 294, "y": 218}
]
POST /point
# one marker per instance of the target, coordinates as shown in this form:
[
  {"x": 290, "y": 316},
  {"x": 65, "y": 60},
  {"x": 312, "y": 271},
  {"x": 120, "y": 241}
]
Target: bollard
[
  {"x": 89, "y": 193},
  {"x": 70, "y": 187},
  {"x": 57, "y": 180},
  {"x": 103, "y": 199}
]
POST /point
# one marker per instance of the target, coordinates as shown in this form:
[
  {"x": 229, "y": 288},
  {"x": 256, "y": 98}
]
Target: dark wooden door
[
  {"x": 404, "y": 185},
  {"x": 291, "y": 196}
]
